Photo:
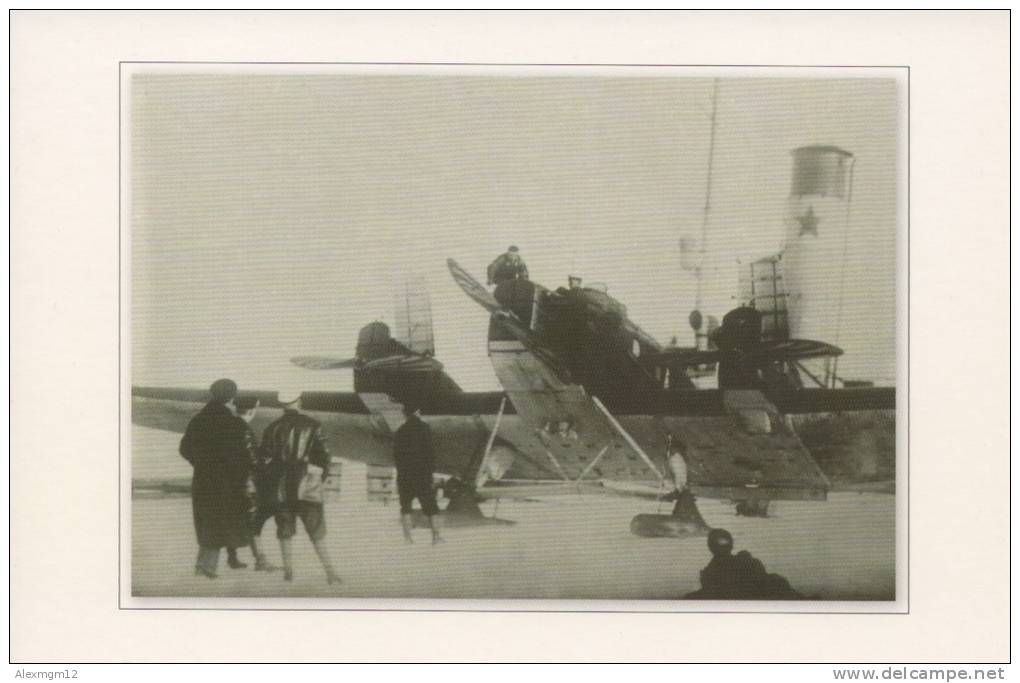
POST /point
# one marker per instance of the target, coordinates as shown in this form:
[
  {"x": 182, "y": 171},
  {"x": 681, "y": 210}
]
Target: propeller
[
  {"x": 472, "y": 287},
  {"x": 404, "y": 363},
  {"x": 321, "y": 363},
  {"x": 399, "y": 363}
]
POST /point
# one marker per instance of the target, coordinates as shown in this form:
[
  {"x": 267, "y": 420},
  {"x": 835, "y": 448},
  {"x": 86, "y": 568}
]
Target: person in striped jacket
[{"x": 293, "y": 445}]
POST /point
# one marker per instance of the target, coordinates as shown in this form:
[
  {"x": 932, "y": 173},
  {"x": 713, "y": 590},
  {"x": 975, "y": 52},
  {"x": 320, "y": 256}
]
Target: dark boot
[{"x": 232, "y": 560}]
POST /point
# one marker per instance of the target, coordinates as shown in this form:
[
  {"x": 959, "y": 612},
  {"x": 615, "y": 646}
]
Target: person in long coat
[
  {"x": 415, "y": 461},
  {"x": 217, "y": 446}
]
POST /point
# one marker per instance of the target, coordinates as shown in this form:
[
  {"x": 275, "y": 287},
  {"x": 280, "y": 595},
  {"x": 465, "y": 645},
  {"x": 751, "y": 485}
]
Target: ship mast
[{"x": 703, "y": 244}]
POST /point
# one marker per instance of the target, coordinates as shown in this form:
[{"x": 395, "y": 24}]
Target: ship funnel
[
  {"x": 821, "y": 170},
  {"x": 817, "y": 240}
]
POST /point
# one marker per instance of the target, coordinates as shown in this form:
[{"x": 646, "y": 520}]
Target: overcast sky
[{"x": 272, "y": 215}]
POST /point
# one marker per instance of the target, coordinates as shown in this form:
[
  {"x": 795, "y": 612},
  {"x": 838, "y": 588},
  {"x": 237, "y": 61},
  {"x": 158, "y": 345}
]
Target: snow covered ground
[{"x": 566, "y": 547}]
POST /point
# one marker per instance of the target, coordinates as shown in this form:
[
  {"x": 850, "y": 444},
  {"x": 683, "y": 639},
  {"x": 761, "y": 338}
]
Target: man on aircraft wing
[{"x": 507, "y": 266}]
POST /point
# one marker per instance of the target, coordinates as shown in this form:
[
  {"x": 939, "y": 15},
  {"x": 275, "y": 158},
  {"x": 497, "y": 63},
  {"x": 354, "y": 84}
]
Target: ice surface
[{"x": 565, "y": 547}]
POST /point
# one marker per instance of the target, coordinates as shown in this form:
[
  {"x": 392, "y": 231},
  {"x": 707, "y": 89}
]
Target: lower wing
[{"x": 559, "y": 436}]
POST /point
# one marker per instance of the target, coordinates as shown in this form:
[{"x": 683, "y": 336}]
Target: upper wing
[
  {"x": 795, "y": 349},
  {"x": 784, "y": 349}
]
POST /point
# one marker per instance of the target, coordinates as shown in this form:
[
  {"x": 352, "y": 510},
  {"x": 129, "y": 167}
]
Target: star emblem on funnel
[{"x": 808, "y": 223}]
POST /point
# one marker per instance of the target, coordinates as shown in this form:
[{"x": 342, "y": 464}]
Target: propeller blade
[
  {"x": 472, "y": 287},
  {"x": 321, "y": 363},
  {"x": 404, "y": 363}
]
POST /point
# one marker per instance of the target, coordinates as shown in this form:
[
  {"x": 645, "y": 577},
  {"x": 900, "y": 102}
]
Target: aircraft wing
[
  {"x": 171, "y": 408},
  {"x": 795, "y": 349},
  {"x": 785, "y": 349},
  {"x": 571, "y": 428},
  {"x": 744, "y": 451},
  {"x": 164, "y": 414}
]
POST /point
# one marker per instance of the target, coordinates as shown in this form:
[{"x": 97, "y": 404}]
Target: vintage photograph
[{"x": 513, "y": 333}]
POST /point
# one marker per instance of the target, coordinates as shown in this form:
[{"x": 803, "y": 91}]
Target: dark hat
[
  {"x": 720, "y": 542},
  {"x": 512, "y": 248},
  {"x": 223, "y": 390}
]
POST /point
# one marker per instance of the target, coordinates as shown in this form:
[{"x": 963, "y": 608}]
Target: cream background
[{"x": 64, "y": 333}]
